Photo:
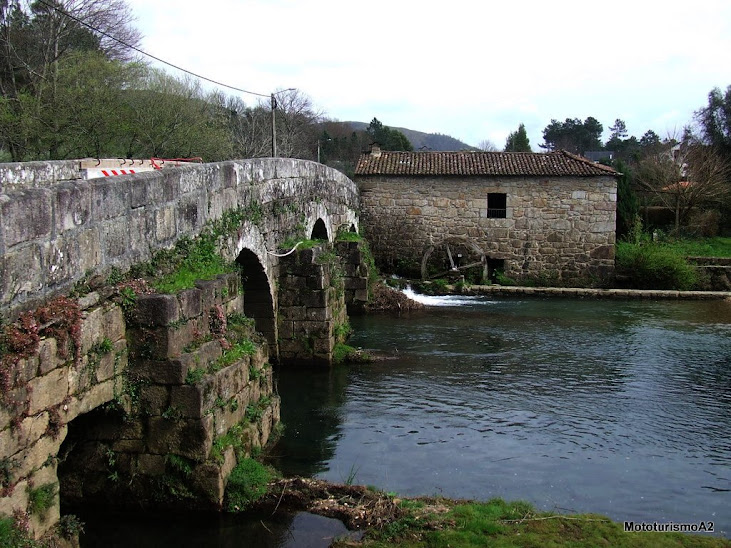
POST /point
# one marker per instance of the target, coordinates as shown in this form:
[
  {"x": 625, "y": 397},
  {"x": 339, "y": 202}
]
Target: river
[{"x": 621, "y": 408}]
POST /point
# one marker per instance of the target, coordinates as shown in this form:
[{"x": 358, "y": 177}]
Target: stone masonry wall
[
  {"x": 311, "y": 306},
  {"x": 196, "y": 405},
  {"x": 158, "y": 420},
  {"x": 77, "y": 363},
  {"x": 564, "y": 225},
  {"x": 52, "y": 235}
]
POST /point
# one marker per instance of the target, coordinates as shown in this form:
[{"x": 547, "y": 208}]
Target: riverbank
[{"x": 387, "y": 520}]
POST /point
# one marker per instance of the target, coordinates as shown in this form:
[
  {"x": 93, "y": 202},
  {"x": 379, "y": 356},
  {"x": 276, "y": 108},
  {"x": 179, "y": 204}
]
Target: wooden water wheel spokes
[{"x": 454, "y": 266}]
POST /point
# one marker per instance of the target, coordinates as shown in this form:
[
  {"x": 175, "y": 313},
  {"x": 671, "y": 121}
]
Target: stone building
[{"x": 529, "y": 215}]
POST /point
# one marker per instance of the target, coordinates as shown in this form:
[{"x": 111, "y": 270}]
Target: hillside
[{"x": 420, "y": 140}]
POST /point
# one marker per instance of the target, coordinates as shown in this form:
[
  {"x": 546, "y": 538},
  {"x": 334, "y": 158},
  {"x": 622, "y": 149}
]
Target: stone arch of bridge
[
  {"x": 454, "y": 241},
  {"x": 257, "y": 281},
  {"x": 321, "y": 225},
  {"x": 258, "y": 299},
  {"x": 319, "y": 231}
]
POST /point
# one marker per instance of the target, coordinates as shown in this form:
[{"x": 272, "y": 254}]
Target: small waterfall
[{"x": 442, "y": 300}]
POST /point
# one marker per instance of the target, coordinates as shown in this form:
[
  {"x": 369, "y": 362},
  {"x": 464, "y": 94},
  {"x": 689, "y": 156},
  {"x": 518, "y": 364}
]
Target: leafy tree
[
  {"x": 618, "y": 130},
  {"x": 518, "y": 141},
  {"x": 573, "y": 135},
  {"x": 172, "y": 118},
  {"x": 628, "y": 205},
  {"x": 388, "y": 138},
  {"x": 35, "y": 40},
  {"x": 617, "y": 136},
  {"x": 715, "y": 120}
]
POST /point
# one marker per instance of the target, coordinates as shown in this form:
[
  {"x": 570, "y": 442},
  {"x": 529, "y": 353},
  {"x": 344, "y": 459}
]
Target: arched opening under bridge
[{"x": 258, "y": 302}]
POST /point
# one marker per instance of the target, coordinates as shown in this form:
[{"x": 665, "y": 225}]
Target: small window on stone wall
[{"x": 497, "y": 205}]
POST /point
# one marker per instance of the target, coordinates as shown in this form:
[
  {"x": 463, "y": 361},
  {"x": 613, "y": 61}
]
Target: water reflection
[
  {"x": 621, "y": 408},
  {"x": 302, "y": 530}
]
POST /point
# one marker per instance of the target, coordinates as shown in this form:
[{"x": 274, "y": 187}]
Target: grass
[
  {"x": 705, "y": 247},
  {"x": 442, "y": 523},
  {"x": 41, "y": 499},
  {"x": 196, "y": 260},
  {"x": 235, "y": 353},
  {"x": 246, "y": 484},
  {"x": 12, "y": 536}
]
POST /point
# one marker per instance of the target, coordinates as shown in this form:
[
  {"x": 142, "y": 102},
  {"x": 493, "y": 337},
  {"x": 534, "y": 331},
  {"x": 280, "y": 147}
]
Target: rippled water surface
[{"x": 620, "y": 408}]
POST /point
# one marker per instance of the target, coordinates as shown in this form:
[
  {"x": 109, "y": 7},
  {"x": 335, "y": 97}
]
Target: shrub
[
  {"x": 13, "y": 536},
  {"x": 246, "y": 484},
  {"x": 651, "y": 266}
]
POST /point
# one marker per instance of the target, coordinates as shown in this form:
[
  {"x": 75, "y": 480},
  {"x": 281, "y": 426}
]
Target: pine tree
[{"x": 518, "y": 141}]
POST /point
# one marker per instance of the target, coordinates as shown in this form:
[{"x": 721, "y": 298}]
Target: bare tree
[
  {"x": 250, "y": 129},
  {"x": 686, "y": 176},
  {"x": 297, "y": 121},
  {"x": 487, "y": 145}
]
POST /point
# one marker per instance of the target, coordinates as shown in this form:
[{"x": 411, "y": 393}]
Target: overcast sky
[{"x": 470, "y": 69}]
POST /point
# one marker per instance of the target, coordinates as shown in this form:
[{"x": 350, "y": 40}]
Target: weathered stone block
[
  {"x": 35, "y": 456},
  {"x": 84, "y": 402},
  {"x": 15, "y": 501},
  {"x": 210, "y": 290},
  {"x": 113, "y": 323},
  {"x": 193, "y": 401},
  {"x": 151, "y": 465},
  {"x": 48, "y": 390},
  {"x": 21, "y": 274},
  {"x": 319, "y": 314},
  {"x": 190, "y": 438},
  {"x": 31, "y": 429},
  {"x": 109, "y": 198},
  {"x": 27, "y": 215},
  {"x": 156, "y": 310},
  {"x": 190, "y": 303},
  {"x": 295, "y": 313},
  {"x": 154, "y": 399}
]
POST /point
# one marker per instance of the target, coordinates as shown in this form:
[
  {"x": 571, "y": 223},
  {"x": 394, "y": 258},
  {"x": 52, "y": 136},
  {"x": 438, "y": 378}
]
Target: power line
[{"x": 59, "y": 10}]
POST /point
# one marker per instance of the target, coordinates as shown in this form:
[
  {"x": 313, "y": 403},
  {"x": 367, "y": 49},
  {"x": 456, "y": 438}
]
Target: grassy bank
[
  {"x": 448, "y": 523},
  {"x": 705, "y": 247}
]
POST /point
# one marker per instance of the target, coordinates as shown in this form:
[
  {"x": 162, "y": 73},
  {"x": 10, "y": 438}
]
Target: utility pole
[{"x": 274, "y": 128}]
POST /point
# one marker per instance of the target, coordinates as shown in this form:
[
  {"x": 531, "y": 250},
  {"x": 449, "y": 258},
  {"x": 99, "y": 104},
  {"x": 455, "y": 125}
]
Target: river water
[
  {"x": 620, "y": 408},
  {"x": 616, "y": 407}
]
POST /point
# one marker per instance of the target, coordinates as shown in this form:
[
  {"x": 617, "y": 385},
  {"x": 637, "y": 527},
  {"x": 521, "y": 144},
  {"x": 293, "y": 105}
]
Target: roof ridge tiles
[{"x": 556, "y": 163}]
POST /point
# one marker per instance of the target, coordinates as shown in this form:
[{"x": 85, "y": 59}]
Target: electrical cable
[{"x": 74, "y": 18}]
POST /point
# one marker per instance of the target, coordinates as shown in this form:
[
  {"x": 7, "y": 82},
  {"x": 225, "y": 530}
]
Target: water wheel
[{"x": 454, "y": 255}]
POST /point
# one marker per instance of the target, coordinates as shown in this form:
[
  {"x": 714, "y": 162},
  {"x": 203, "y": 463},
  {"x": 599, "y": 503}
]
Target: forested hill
[{"x": 419, "y": 139}]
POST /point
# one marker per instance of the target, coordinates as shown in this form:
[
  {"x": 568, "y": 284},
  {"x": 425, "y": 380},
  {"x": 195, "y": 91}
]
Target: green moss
[
  {"x": 343, "y": 353},
  {"x": 195, "y": 375},
  {"x": 41, "y": 499},
  {"x": 233, "y": 354},
  {"x": 246, "y": 484},
  {"x": 347, "y": 236},
  {"x": 180, "y": 465},
  {"x": 12, "y": 536}
]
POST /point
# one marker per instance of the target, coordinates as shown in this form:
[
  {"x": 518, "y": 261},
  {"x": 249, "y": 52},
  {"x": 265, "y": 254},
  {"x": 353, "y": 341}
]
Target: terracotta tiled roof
[{"x": 559, "y": 163}]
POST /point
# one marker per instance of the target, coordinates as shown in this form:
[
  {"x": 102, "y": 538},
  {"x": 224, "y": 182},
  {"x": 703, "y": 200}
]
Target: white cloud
[{"x": 471, "y": 69}]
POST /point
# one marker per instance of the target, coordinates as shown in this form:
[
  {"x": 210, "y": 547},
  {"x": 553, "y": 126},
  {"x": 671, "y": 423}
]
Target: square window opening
[{"x": 497, "y": 205}]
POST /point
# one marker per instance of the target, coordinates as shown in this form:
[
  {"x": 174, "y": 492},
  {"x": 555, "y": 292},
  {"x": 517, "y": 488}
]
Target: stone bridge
[{"x": 154, "y": 398}]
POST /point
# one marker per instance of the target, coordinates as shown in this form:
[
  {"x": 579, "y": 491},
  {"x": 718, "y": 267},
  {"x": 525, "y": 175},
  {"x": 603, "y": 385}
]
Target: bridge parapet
[{"x": 52, "y": 236}]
